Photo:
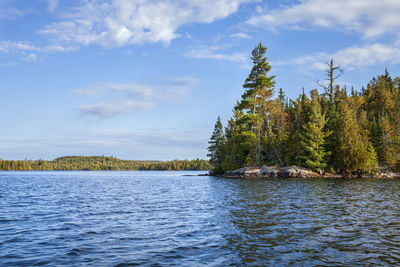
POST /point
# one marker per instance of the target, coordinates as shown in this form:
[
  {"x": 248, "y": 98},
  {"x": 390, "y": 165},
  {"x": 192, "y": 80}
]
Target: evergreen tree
[
  {"x": 240, "y": 142},
  {"x": 388, "y": 143},
  {"x": 348, "y": 133},
  {"x": 255, "y": 102},
  {"x": 276, "y": 134},
  {"x": 382, "y": 107},
  {"x": 297, "y": 114},
  {"x": 102, "y": 163},
  {"x": 217, "y": 147},
  {"x": 282, "y": 98},
  {"x": 315, "y": 156},
  {"x": 354, "y": 151}
]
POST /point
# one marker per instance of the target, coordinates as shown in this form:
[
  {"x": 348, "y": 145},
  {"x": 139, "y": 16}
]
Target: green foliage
[
  {"x": 254, "y": 107},
  {"x": 79, "y": 163},
  {"x": 354, "y": 152},
  {"x": 240, "y": 149},
  {"x": 297, "y": 117},
  {"x": 332, "y": 115},
  {"x": 313, "y": 138},
  {"x": 276, "y": 132},
  {"x": 382, "y": 103},
  {"x": 217, "y": 147},
  {"x": 240, "y": 142},
  {"x": 353, "y": 133}
]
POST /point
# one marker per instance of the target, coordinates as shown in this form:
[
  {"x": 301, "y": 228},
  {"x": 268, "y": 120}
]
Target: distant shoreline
[
  {"x": 102, "y": 163},
  {"x": 106, "y": 171}
]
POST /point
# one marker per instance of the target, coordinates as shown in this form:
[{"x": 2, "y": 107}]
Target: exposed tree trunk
[{"x": 331, "y": 77}]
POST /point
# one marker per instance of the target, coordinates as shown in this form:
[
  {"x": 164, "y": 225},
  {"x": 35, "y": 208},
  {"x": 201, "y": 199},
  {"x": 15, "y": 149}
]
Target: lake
[{"x": 165, "y": 218}]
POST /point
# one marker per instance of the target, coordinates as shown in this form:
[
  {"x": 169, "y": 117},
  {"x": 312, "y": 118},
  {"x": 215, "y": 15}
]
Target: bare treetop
[{"x": 332, "y": 74}]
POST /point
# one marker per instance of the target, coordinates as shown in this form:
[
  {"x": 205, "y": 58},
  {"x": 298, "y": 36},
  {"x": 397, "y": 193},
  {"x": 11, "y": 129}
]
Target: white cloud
[
  {"x": 29, "y": 52},
  {"x": 111, "y": 109},
  {"x": 153, "y": 90},
  {"x": 302, "y": 60},
  {"x": 125, "y": 22},
  {"x": 10, "y": 13},
  {"x": 58, "y": 48},
  {"x": 127, "y": 89},
  {"x": 18, "y": 47},
  {"x": 128, "y": 98},
  {"x": 241, "y": 35},
  {"x": 8, "y": 64},
  {"x": 371, "y": 18},
  {"x": 349, "y": 58},
  {"x": 369, "y": 55},
  {"x": 31, "y": 57},
  {"x": 52, "y": 5},
  {"x": 213, "y": 52},
  {"x": 15, "y": 47}
]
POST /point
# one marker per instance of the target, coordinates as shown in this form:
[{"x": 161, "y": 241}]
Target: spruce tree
[
  {"x": 240, "y": 142},
  {"x": 356, "y": 131},
  {"x": 217, "y": 147},
  {"x": 297, "y": 114},
  {"x": 315, "y": 156},
  {"x": 382, "y": 107},
  {"x": 388, "y": 144},
  {"x": 276, "y": 135},
  {"x": 282, "y": 98},
  {"x": 255, "y": 101},
  {"x": 354, "y": 152}
]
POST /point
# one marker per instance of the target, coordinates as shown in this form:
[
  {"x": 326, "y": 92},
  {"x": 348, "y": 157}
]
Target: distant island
[
  {"x": 333, "y": 133},
  {"x": 101, "y": 163}
]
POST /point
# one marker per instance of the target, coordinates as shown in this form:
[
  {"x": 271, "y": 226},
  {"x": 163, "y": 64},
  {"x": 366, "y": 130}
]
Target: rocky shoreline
[{"x": 293, "y": 172}]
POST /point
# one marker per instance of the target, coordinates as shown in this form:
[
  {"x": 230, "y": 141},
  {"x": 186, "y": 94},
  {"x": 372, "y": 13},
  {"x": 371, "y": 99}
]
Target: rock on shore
[
  {"x": 272, "y": 172},
  {"x": 293, "y": 172}
]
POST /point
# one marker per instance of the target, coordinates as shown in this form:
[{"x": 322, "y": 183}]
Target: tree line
[
  {"x": 335, "y": 130},
  {"x": 78, "y": 163}
]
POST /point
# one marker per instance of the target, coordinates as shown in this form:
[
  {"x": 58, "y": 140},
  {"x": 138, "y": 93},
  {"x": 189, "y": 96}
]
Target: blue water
[{"x": 165, "y": 218}]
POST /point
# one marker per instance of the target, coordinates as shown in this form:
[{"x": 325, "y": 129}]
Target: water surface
[{"x": 165, "y": 218}]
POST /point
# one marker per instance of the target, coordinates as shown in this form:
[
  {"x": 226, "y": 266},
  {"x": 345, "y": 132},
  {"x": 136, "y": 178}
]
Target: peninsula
[{"x": 336, "y": 133}]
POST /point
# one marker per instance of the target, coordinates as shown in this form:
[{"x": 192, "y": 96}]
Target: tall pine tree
[{"x": 256, "y": 100}]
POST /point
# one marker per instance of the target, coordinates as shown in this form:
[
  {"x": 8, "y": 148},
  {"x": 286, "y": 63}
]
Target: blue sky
[{"x": 147, "y": 79}]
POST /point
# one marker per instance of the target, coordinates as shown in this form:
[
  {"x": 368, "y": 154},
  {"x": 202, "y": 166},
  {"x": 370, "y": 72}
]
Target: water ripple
[{"x": 164, "y": 218}]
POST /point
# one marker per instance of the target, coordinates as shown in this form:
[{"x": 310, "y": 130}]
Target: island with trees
[
  {"x": 101, "y": 163},
  {"x": 329, "y": 133}
]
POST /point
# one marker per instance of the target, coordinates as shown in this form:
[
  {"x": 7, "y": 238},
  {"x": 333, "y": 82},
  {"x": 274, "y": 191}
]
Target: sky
[{"x": 146, "y": 79}]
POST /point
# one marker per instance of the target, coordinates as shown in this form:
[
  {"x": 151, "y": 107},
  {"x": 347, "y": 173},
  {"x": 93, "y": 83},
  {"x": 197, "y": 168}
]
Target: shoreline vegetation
[
  {"x": 101, "y": 163},
  {"x": 335, "y": 133}
]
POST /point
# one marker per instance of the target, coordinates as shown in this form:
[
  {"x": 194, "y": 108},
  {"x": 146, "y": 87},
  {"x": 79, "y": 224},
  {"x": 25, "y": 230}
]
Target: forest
[
  {"x": 79, "y": 163},
  {"x": 335, "y": 130}
]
